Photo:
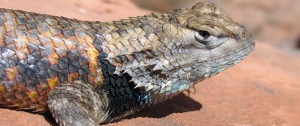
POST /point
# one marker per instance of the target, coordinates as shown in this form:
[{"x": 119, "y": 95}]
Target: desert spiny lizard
[{"x": 90, "y": 72}]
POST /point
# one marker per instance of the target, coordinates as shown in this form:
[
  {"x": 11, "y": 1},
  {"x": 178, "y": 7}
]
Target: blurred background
[{"x": 262, "y": 90}]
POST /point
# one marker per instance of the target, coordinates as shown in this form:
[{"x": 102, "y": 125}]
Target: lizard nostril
[{"x": 244, "y": 35}]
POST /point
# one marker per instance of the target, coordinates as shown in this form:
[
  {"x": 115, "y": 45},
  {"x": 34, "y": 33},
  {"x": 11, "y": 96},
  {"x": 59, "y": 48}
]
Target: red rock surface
[
  {"x": 261, "y": 90},
  {"x": 94, "y": 10}
]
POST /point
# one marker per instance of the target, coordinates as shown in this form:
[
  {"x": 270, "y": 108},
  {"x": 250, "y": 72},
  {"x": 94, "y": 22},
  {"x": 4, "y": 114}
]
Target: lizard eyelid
[{"x": 206, "y": 40}]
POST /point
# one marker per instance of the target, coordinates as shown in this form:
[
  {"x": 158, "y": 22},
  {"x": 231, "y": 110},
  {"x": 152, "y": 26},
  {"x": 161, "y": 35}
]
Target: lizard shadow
[
  {"x": 50, "y": 119},
  {"x": 178, "y": 104}
]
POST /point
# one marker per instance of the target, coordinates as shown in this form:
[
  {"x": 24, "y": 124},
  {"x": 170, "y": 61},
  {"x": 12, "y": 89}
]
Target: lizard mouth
[
  {"x": 233, "y": 55},
  {"x": 226, "y": 60},
  {"x": 185, "y": 77}
]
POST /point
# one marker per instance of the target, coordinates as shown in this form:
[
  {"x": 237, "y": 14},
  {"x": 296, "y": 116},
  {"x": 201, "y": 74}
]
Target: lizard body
[{"x": 90, "y": 72}]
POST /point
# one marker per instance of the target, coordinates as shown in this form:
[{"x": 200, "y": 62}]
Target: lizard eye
[
  {"x": 206, "y": 40},
  {"x": 202, "y": 36}
]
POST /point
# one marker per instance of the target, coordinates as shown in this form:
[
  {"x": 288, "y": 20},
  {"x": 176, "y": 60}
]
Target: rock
[
  {"x": 93, "y": 10},
  {"x": 261, "y": 90}
]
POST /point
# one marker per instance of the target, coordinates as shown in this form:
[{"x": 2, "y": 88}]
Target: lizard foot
[{"x": 78, "y": 104}]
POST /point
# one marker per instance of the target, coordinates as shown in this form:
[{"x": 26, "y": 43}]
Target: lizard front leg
[{"x": 78, "y": 104}]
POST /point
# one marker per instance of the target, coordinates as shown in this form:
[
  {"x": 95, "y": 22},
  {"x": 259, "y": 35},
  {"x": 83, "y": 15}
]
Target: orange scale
[
  {"x": 33, "y": 95},
  {"x": 2, "y": 43},
  {"x": 53, "y": 58},
  {"x": 89, "y": 40},
  {"x": 21, "y": 55},
  {"x": 11, "y": 73},
  {"x": 58, "y": 44},
  {"x": 73, "y": 77},
  {"x": 10, "y": 25},
  {"x": 2, "y": 88},
  {"x": 93, "y": 66},
  {"x": 53, "y": 82},
  {"x": 73, "y": 38},
  {"x": 21, "y": 42}
]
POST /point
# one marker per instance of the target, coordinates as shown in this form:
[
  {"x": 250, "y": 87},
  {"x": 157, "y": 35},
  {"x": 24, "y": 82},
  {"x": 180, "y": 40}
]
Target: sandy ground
[{"x": 261, "y": 90}]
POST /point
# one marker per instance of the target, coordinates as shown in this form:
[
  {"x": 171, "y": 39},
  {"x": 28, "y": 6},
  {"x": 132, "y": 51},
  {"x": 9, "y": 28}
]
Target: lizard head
[
  {"x": 207, "y": 42},
  {"x": 210, "y": 34},
  {"x": 170, "y": 52}
]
